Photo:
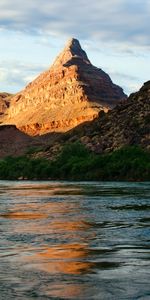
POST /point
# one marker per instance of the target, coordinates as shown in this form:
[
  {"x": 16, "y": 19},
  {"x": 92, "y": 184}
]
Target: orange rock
[{"x": 70, "y": 92}]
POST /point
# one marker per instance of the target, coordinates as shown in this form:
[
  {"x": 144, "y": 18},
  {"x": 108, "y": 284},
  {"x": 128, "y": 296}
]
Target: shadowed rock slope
[
  {"x": 70, "y": 92},
  {"x": 126, "y": 124},
  {"x": 4, "y": 103},
  {"x": 13, "y": 142}
]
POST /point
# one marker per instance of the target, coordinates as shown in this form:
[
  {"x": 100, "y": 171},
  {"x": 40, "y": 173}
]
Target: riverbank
[{"x": 75, "y": 162}]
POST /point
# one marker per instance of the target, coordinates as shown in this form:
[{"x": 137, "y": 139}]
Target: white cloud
[
  {"x": 15, "y": 74},
  {"x": 115, "y": 34},
  {"x": 107, "y": 20}
]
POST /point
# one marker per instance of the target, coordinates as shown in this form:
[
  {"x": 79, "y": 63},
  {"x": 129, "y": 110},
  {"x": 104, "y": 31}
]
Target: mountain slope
[
  {"x": 70, "y": 92},
  {"x": 127, "y": 124},
  {"x": 14, "y": 142},
  {"x": 116, "y": 140}
]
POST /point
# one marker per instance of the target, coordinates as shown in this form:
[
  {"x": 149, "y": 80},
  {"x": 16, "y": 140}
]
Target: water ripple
[{"x": 66, "y": 240}]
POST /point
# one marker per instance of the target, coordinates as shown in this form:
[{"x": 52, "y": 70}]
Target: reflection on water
[{"x": 63, "y": 240}]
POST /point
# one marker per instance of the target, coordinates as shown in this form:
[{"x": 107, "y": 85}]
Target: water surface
[{"x": 61, "y": 240}]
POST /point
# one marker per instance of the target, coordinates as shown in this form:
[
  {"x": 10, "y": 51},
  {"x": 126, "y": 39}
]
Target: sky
[{"x": 114, "y": 33}]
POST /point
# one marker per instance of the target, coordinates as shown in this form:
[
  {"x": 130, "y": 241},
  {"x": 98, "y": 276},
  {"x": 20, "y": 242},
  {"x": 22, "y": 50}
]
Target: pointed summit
[
  {"x": 75, "y": 48},
  {"x": 73, "y": 42},
  {"x": 72, "y": 91},
  {"x": 71, "y": 54}
]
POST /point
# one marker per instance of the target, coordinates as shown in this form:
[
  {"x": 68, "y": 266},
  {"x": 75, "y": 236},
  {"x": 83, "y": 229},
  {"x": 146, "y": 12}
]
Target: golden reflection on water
[
  {"x": 57, "y": 218},
  {"x": 65, "y": 248},
  {"x": 54, "y": 219},
  {"x": 51, "y": 244},
  {"x": 49, "y": 209},
  {"x": 65, "y": 259},
  {"x": 67, "y": 291},
  {"x": 23, "y": 215},
  {"x": 40, "y": 191}
]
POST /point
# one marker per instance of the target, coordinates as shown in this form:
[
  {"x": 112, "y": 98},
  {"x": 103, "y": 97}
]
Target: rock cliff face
[
  {"x": 70, "y": 92},
  {"x": 127, "y": 124},
  {"x": 4, "y": 102}
]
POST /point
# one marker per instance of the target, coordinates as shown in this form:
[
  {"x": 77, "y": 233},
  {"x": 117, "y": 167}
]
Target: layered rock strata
[{"x": 72, "y": 91}]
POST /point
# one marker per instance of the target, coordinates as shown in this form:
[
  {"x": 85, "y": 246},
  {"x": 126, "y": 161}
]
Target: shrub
[{"x": 76, "y": 162}]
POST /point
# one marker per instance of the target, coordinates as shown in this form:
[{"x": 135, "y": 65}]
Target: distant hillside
[{"x": 13, "y": 142}]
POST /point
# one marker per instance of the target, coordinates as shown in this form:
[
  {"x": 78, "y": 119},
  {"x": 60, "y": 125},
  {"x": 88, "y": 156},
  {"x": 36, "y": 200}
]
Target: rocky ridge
[
  {"x": 71, "y": 92},
  {"x": 127, "y": 124}
]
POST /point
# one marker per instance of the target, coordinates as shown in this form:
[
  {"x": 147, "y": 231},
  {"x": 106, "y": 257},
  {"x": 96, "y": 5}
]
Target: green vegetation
[{"x": 75, "y": 162}]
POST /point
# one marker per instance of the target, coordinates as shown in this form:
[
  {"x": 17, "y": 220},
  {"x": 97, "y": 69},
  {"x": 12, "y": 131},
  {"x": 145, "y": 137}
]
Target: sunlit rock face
[
  {"x": 4, "y": 102},
  {"x": 71, "y": 92}
]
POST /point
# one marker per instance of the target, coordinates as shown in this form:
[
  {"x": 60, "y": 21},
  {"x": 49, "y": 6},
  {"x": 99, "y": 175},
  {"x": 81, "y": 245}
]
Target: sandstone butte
[
  {"x": 70, "y": 92},
  {"x": 127, "y": 124}
]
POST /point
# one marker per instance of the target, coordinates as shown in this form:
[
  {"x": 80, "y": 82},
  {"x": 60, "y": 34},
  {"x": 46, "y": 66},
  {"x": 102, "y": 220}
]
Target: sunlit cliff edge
[{"x": 69, "y": 93}]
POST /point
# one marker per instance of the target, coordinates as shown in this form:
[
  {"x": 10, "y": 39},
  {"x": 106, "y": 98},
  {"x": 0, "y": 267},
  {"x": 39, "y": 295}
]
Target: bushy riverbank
[{"x": 75, "y": 162}]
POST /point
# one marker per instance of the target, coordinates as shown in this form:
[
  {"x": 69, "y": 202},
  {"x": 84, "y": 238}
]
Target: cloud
[
  {"x": 115, "y": 21},
  {"x": 115, "y": 34},
  {"x": 129, "y": 82},
  {"x": 17, "y": 74},
  {"x": 123, "y": 76}
]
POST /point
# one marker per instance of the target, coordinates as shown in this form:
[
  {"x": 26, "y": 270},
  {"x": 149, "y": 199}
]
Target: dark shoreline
[{"x": 76, "y": 163}]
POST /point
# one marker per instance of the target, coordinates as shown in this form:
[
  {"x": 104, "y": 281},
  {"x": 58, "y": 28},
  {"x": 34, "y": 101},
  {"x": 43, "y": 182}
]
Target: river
[{"x": 74, "y": 240}]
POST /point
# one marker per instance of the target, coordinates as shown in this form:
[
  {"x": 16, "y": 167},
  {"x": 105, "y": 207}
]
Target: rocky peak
[
  {"x": 72, "y": 91},
  {"x": 71, "y": 53}
]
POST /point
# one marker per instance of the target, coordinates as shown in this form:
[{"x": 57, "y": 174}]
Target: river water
[{"x": 66, "y": 240}]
